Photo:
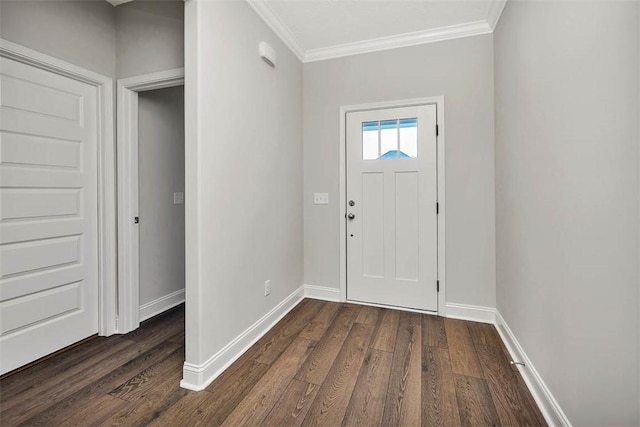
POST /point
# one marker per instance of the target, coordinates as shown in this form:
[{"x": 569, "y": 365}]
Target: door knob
[{"x": 351, "y": 216}]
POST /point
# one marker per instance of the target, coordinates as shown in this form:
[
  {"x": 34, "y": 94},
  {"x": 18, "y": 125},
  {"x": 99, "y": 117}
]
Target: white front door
[
  {"x": 392, "y": 239},
  {"x": 48, "y": 213}
]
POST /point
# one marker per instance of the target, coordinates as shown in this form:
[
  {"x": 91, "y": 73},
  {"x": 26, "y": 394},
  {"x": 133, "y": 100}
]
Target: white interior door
[
  {"x": 392, "y": 242},
  {"x": 48, "y": 206}
]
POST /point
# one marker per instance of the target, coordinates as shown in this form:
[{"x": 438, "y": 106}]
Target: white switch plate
[
  {"x": 321, "y": 199},
  {"x": 178, "y": 198}
]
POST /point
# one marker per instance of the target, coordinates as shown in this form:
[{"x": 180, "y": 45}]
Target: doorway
[
  {"x": 161, "y": 199},
  {"x": 392, "y": 205},
  {"x": 151, "y": 249}
]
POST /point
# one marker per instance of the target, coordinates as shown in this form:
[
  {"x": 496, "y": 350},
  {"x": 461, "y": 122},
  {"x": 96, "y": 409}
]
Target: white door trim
[
  {"x": 128, "y": 237},
  {"x": 439, "y": 101},
  {"x": 107, "y": 269}
]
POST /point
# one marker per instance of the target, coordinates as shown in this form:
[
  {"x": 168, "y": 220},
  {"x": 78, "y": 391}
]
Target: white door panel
[
  {"x": 48, "y": 213},
  {"x": 392, "y": 182},
  {"x": 37, "y": 282},
  {"x": 29, "y": 150}
]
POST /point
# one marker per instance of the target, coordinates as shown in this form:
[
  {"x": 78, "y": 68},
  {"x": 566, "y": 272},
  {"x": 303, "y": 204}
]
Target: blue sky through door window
[{"x": 390, "y": 139}]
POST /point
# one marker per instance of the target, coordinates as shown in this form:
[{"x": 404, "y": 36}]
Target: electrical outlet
[
  {"x": 178, "y": 198},
  {"x": 267, "y": 288}
]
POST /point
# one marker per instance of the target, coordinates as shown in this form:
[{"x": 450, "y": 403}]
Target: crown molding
[
  {"x": 495, "y": 11},
  {"x": 118, "y": 2},
  {"x": 397, "y": 41},
  {"x": 272, "y": 20}
]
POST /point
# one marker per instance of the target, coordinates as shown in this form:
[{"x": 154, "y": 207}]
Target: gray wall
[
  {"x": 161, "y": 171},
  {"x": 79, "y": 32},
  {"x": 462, "y": 71},
  {"x": 150, "y": 37},
  {"x": 567, "y": 199},
  {"x": 244, "y": 161}
]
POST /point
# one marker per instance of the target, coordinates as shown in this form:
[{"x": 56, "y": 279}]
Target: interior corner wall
[
  {"x": 567, "y": 199},
  {"x": 244, "y": 162},
  {"x": 79, "y": 32},
  {"x": 149, "y": 37},
  {"x": 462, "y": 71}
]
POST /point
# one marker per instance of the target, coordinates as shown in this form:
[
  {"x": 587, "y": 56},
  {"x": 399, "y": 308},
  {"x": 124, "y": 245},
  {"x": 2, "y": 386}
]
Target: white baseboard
[
  {"x": 548, "y": 405},
  {"x": 322, "y": 292},
  {"x": 474, "y": 313},
  {"x": 161, "y": 304},
  {"x": 198, "y": 377}
]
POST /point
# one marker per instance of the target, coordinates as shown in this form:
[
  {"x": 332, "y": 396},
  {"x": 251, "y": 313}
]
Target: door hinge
[
  {"x": 136, "y": 220},
  {"x": 437, "y": 130},
  {"x": 437, "y": 285},
  {"x": 437, "y": 208}
]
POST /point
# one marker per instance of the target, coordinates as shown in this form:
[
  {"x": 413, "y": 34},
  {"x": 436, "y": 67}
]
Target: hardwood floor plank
[
  {"x": 475, "y": 403},
  {"x": 270, "y": 346},
  {"x": 368, "y": 315},
  {"x": 433, "y": 333},
  {"x": 484, "y": 334},
  {"x": 184, "y": 412},
  {"x": 511, "y": 401},
  {"x": 320, "y": 323},
  {"x": 151, "y": 335},
  {"x": 228, "y": 390},
  {"x": 403, "y": 402},
  {"x": 292, "y": 408},
  {"x": 151, "y": 393},
  {"x": 387, "y": 328},
  {"x": 523, "y": 386},
  {"x": 464, "y": 360},
  {"x": 243, "y": 373},
  {"x": 330, "y": 405},
  {"x": 178, "y": 339},
  {"x": 14, "y": 393},
  {"x": 254, "y": 408},
  {"x": 52, "y": 367},
  {"x": 66, "y": 408},
  {"x": 372, "y": 367},
  {"x": 41, "y": 396},
  {"x": 318, "y": 364},
  {"x": 439, "y": 401},
  {"x": 172, "y": 316},
  {"x": 94, "y": 413},
  {"x": 369, "y": 394},
  {"x": 147, "y": 380},
  {"x": 148, "y": 407}
]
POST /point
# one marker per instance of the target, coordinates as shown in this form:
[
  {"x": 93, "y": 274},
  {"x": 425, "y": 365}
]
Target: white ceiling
[{"x": 322, "y": 29}]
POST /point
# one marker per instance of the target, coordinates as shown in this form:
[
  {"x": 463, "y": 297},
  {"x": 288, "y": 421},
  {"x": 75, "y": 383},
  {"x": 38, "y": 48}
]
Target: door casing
[
  {"x": 440, "y": 152},
  {"x": 128, "y": 232}
]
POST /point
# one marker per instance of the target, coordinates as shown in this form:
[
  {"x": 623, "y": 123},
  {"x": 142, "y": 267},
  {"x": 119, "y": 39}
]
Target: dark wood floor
[{"x": 324, "y": 364}]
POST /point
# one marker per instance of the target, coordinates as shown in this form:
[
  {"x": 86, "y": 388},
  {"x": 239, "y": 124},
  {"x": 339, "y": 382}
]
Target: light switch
[
  {"x": 178, "y": 198},
  {"x": 321, "y": 199}
]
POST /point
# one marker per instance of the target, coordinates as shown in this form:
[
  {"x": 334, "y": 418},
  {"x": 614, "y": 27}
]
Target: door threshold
[{"x": 393, "y": 307}]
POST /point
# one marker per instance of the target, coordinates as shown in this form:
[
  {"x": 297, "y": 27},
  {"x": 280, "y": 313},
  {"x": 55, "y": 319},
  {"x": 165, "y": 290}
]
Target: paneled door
[
  {"x": 392, "y": 242},
  {"x": 48, "y": 213}
]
